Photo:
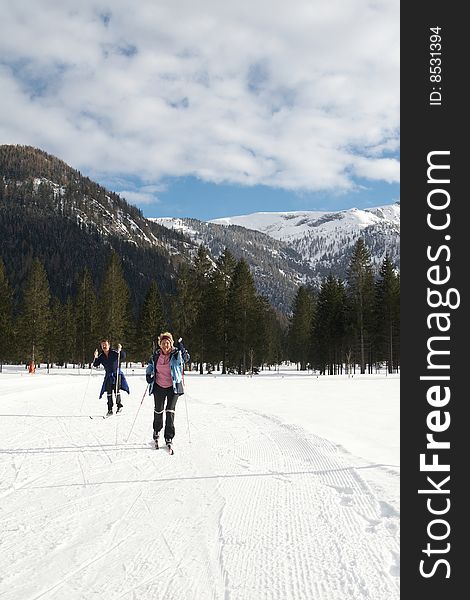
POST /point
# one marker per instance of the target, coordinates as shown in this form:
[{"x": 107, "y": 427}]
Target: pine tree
[
  {"x": 361, "y": 290},
  {"x": 387, "y": 313},
  {"x": 61, "y": 339},
  {"x": 87, "y": 319},
  {"x": 33, "y": 324},
  {"x": 151, "y": 322},
  {"x": 329, "y": 329},
  {"x": 114, "y": 303},
  {"x": 182, "y": 308},
  {"x": 6, "y": 318},
  {"x": 300, "y": 327},
  {"x": 241, "y": 326},
  {"x": 217, "y": 307},
  {"x": 55, "y": 350},
  {"x": 69, "y": 339},
  {"x": 267, "y": 335},
  {"x": 200, "y": 279}
]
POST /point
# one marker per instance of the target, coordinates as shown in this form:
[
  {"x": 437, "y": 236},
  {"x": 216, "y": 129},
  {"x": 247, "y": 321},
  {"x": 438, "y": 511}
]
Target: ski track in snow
[{"x": 251, "y": 509}]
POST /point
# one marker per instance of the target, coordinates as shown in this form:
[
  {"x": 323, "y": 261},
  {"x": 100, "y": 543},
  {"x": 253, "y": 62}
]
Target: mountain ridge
[
  {"x": 50, "y": 211},
  {"x": 308, "y": 232},
  {"x": 277, "y": 269},
  {"x": 312, "y": 244},
  {"x": 49, "y": 206}
]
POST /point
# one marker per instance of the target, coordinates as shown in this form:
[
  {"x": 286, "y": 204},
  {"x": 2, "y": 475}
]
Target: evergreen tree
[
  {"x": 183, "y": 310},
  {"x": 33, "y": 323},
  {"x": 275, "y": 343},
  {"x": 328, "y": 332},
  {"x": 361, "y": 290},
  {"x": 61, "y": 339},
  {"x": 114, "y": 303},
  {"x": 69, "y": 338},
  {"x": 242, "y": 313},
  {"x": 55, "y": 351},
  {"x": 6, "y": 318},
  {"x": 266, "y": 337},
  {"x": 217, "y": 307},
  {"x": 200, "y": 289},
  {"x": 131, "y": 336},
  {"x": 87, "y": 319},
  {"x": 300, "y": 327},
  {"x": 151, "y": 322},
  {"x": 387, "y": 313}
]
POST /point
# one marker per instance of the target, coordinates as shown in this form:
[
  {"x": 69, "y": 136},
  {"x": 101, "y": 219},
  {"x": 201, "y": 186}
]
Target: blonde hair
[{"x": 165, "y": 334}]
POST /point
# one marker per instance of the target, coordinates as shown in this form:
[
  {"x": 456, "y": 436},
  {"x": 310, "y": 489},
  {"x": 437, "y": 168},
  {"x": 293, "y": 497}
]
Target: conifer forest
[
  {"x": 78, "y": 263},
  {"x": 344, "y": 326}
]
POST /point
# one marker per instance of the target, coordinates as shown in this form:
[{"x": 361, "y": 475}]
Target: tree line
[
  {"x": 224, "y": 322},
  {"x": 204, "y": 310},
  {"x": 349, "y": 325}
]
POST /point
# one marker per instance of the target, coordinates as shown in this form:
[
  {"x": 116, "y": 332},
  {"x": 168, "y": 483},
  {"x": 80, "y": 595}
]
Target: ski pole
[
  {"x": 186, "y": 406},
  {"x": 117, "y": 373},
  {"x": 138, "y": 410},
  {"x": 187, "y": 418},
  {"x": 86, "y": 388}
]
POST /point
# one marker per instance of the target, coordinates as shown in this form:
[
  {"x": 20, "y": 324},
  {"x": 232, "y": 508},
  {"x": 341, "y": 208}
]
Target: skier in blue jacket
[
  {"x": 110, "y": 359},
  {"x": 164, "y": 375}
]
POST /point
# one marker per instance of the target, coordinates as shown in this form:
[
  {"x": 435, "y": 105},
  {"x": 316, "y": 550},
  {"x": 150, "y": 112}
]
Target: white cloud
[
  {"x": 137, "y": 197},
  {"x": 383, "y": 169},
  {"x": 147, "y": 194},
  {"x": 300, "y": 95}
]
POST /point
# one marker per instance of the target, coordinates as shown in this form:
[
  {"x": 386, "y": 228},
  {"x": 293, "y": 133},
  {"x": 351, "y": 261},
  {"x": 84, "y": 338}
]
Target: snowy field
[{"x": 284, "y": 486}]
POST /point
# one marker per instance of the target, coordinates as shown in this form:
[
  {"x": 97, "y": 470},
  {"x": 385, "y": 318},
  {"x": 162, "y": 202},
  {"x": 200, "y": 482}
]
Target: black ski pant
[
  {"x": 110, "y": 389},
  {"x": 161, "y": 394}
]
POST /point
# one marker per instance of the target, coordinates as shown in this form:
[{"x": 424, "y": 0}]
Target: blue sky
[
  {"x": 210, "y": 109},
  {"x": 190, "y": 197}
]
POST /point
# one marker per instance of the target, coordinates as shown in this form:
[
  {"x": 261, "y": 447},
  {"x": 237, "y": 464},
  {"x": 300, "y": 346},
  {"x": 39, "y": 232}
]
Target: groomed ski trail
[{"x": 252, "y": 508}]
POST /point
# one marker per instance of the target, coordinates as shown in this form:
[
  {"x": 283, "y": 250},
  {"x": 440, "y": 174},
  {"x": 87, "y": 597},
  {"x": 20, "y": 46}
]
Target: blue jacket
[
  {"x": 110, "y": 364},
  {"x": 178, "y": 356}
]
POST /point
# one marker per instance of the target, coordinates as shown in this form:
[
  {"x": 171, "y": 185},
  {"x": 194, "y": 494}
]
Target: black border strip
[{"x": 433, "y": 119}]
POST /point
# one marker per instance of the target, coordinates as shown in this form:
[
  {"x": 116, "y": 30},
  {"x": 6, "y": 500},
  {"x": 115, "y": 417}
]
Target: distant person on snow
[
  {"x": 164, "y": 375},
  {"x": 114, "y": 379}
]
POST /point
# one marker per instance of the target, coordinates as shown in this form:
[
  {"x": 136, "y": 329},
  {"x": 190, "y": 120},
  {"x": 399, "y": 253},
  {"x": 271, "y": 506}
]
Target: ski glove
[
  {"x": 149, "y": 372},
  {"x": 184, "y": 352}
]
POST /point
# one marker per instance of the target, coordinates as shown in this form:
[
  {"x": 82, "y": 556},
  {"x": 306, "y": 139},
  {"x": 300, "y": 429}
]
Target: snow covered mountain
[
  {"x": 276, "y": 267},
  {"x": 285, "y": 249},
  {"x": 71, "y": 222},
  {"x": 324, "y": 239},
  {"x": 50, "y": 211}
]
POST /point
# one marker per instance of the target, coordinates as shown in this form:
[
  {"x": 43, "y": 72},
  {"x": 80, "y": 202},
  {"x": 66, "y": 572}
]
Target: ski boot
[
  {"x": 169, "y": 443},
  {"x": 155, "y": 439},
  {"x": 119, "y": 408}
]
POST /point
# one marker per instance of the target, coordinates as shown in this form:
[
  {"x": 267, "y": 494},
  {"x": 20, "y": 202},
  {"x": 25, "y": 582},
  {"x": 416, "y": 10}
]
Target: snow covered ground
[{"x": 285, "y": 486}]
